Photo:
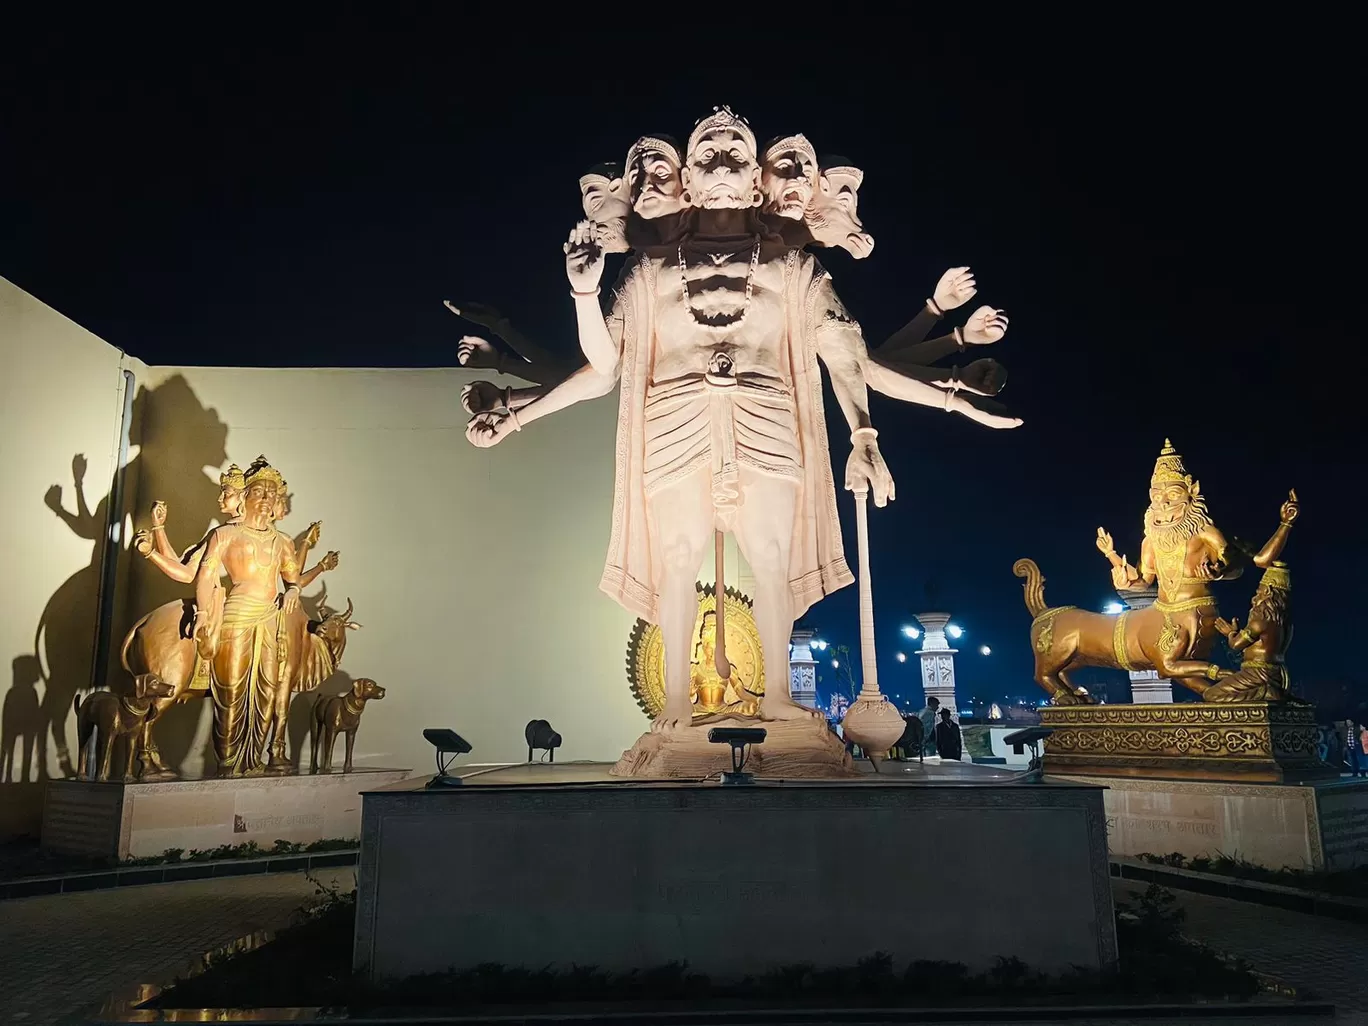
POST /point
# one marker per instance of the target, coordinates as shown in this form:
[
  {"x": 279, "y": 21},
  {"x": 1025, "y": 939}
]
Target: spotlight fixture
[
  {"x": 450, "y": 744},
  {"x": 541, "y": 736},
  {"x": 739, "y": 738}
]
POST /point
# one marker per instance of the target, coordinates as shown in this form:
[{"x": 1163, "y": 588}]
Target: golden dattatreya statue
[
  {"x": 251, "y": 649},
  {"x": 1184, "y": 552},
  {"x": 1261, "y": 644}
]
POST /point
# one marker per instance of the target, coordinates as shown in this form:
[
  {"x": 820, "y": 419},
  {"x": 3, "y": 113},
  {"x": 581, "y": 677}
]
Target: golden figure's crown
[
  {"x": 797, "y": 142},
  {"x": 722, "y": 117},
  {"x": 232, "y": 478},
  {"x": 261, "y": 470},
  {"x": 1168, "y": 468},
  {"x": 1277, "y": 576},
  {"x": 663, "y": 145}
]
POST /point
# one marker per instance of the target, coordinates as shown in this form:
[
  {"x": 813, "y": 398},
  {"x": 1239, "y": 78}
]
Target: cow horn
[{"x": 348, "y": 613}]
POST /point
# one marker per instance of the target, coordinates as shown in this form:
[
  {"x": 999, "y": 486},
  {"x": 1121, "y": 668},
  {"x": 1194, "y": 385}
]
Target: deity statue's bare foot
[
  {"x": 781, "y": 707},
  {"x": 675, "y": 716}
]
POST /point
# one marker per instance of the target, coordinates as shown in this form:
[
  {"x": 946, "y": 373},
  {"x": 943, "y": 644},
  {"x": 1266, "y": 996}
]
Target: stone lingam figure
[
  {"x": 1184, "y": 551},
  {"x": 715, "y": 339}
]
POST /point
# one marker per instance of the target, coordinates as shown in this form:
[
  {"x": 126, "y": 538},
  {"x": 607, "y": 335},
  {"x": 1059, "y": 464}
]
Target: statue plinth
[
  {"x": 1229, "y": 741},
  {"x": 792, "y": 749}
]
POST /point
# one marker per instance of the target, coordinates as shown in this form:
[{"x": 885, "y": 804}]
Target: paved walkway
[
  {"x": 1326, "y": 956},
  {"x": 64, "y": 953}
]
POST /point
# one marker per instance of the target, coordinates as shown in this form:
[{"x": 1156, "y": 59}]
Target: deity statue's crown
[
  {"x": 722, "y": 117},
  {"x": 607, "y": 172},
  {"x": 1168, "y": 468},
  {"x": 655, "y": 144},
  {"x": 797, "y": 142},
  {"x": 833, "y": 165},
  {"x": 232, "y": 478},
  {"x": 261, "y": 470},
  {"x": 1277, "y": 576}
]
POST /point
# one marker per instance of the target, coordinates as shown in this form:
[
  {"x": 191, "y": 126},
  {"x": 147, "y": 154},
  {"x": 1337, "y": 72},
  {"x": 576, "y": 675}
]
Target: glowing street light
[
  {"x": 954, "y": 630},
  {"x": 912, "y": 633},
  {"x": 1112, "y": 608},
  {"x": 985, "y": 650},
  {"x": 902, "y": 658},
  {"x": 819, "y": 645},
  {"x": 835, "y": 664}
]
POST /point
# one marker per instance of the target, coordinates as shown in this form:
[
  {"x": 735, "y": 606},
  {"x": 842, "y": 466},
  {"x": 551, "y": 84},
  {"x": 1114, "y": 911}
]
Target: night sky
[{"x": 1165, "y": 211}]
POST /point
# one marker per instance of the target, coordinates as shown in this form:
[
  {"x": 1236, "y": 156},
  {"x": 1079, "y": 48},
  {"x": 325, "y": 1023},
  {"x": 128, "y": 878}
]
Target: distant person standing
[
  {"x": 928, "y": 722},
  {"x": 949, "y": 743}
]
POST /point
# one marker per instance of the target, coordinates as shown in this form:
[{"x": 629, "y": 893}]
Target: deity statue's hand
[
  {"x": 482, "y": 397},
  {"x": 142, "y": 541},
  {"x": 203, "y": 637},
  {"x": 982, "y": 377},
  {"x": 866, "y": 471},
  {"x": 955, "y": 288},
  {"x": 52, "y": 498},
  {"x": 473, "y": 351},
  {"x": 1123, "y": 575},
  {"x": 958, "y": 404},
  {"x": 1227, "y": 627},
  {"x": 487, "y": 429},
  {"x": 1290, "y": 509},
  {"x": 329, "y": 562},
  {"x": 1104, "y": 543},
  {"x": 311, "y": 535},
  {"x": 985, "y": 325},
  {"x": 583, "y": 258},
  {"x": 289, "y": 602},
  {"x": 78, "y": 467},
  {"x": 159, "y": 513},
  {"x": 479, "y": 313}
]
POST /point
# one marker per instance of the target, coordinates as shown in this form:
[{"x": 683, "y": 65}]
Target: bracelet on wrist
[
  {"x": 159, "y": 527},
  {"x": 513, "y": 416},
  {"x": 931, "y": 305},
  {"x": 959, "y": 338},
  {"x": 586, "y": 295},
  {"x": 863, "y": 432}
]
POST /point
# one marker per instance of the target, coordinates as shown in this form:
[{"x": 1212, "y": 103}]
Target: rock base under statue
[
  {"x": 1233, "y": 741},
  {"x": 793, "y": 749},
  {"x": 134, "y": 819}
]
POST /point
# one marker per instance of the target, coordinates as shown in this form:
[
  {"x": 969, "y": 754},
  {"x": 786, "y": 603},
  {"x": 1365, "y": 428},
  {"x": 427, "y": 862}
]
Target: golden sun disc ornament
[{"x": 709, "y": 694}]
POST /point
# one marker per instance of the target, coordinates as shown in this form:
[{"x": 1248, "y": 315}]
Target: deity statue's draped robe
[{"x": 817, "y": 565}]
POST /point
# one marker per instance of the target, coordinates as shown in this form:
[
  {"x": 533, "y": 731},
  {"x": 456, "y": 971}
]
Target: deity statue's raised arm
[
  {"x": 490, "y": 428},
  {"x": 955, "y": 288},
  {"x": 154, "y": 545},
  {"x": 841, "y": 346},
  {"x": 1272, "y": 548},
  {"x": 584, "y": 267}
]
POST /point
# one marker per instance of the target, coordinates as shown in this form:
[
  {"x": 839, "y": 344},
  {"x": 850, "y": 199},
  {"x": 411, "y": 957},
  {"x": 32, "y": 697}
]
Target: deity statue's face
[
  {"x": 788, "y": 180},
  {"x": 230, "y": 501},
  {"x": 606, "y": 204},
  {"x": 259, "y": 501},
  {"x": 721, "y": 172},
  {"x": 656, "y": 188},
  {"x": 708, "y": 630},
  {"x": 1168, "y": 504},
  {"x": 832, "y": 217}
]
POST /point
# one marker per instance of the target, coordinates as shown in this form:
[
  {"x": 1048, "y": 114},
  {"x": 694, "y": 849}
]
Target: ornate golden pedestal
[{"x": 1235, "y": 741}]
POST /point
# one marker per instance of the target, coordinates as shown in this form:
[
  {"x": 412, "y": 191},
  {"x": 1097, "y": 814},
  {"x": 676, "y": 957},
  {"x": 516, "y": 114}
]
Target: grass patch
[
  {"x": 1347, "y": 882},
  {"x": 23, "y": 859},
  {"x": 309, "y": 965}
]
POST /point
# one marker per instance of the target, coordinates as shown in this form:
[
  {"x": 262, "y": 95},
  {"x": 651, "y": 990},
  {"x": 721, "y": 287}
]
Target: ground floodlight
[{"x": 449, "y": 744}]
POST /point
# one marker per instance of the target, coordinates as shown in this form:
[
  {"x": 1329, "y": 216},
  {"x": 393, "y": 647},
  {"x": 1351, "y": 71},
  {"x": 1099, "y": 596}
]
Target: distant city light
[
  {"x": 902, "y": 658},
  {"x": 912, "y": 633},
  {"x": 954, "y": 630},
  {"x": 995, "y": 712},
  {"x": 1112, "y": 608},
  {"x": 985, "y": 650},
  {"x": 835, "y": 664}
]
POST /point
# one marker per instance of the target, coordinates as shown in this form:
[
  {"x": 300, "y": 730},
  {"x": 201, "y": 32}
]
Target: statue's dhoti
[
  {"x": 245, "y": 671},
  {"x": 718, "y": 423},
  {"x": 1254, "y": 681}
]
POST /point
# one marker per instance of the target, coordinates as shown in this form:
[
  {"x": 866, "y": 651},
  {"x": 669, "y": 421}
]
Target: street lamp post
[{"x": 938, "y": 660}]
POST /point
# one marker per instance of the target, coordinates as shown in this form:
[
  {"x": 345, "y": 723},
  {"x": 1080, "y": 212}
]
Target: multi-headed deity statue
[
  {"x": 250, "y": 647},
  {"x": 1183, "y": 551},
  {"x": 714, "y": 332}
]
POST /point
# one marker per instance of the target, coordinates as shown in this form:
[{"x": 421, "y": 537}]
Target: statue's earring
[
  {"x": 685, "y": 198},
  {"x": 757, "y": 198}
]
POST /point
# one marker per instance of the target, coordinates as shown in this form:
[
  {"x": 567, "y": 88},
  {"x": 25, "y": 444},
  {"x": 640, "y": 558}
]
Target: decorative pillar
[
  {"x": 938, "y": 661},
  {"x": 802, "y": 668},
  {"x": 1147, "y": 687}
]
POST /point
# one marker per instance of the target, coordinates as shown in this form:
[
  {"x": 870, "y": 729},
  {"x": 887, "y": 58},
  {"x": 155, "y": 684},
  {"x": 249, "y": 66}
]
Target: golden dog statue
[
  {"x": 339, "y": 714},
  {"x": 107, "y": 717}
]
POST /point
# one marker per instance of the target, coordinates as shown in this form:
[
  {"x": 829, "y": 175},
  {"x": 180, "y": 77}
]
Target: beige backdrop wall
[{"x": 61, "y": 395}]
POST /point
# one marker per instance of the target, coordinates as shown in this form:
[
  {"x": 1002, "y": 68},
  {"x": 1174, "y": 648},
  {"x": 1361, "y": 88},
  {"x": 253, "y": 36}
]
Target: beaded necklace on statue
[{"x": 750, "y": 284}]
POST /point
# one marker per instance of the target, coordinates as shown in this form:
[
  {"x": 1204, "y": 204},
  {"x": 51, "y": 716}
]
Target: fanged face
[
  {"x": 605, "y": 203},
  {"x": 655, "y": 184},
  {"x": 721, "y": 172},
  {"x": 788, "y": 180},
  {"x": 1168, "y": 504},
  {"x": 833, "y": 216}
]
